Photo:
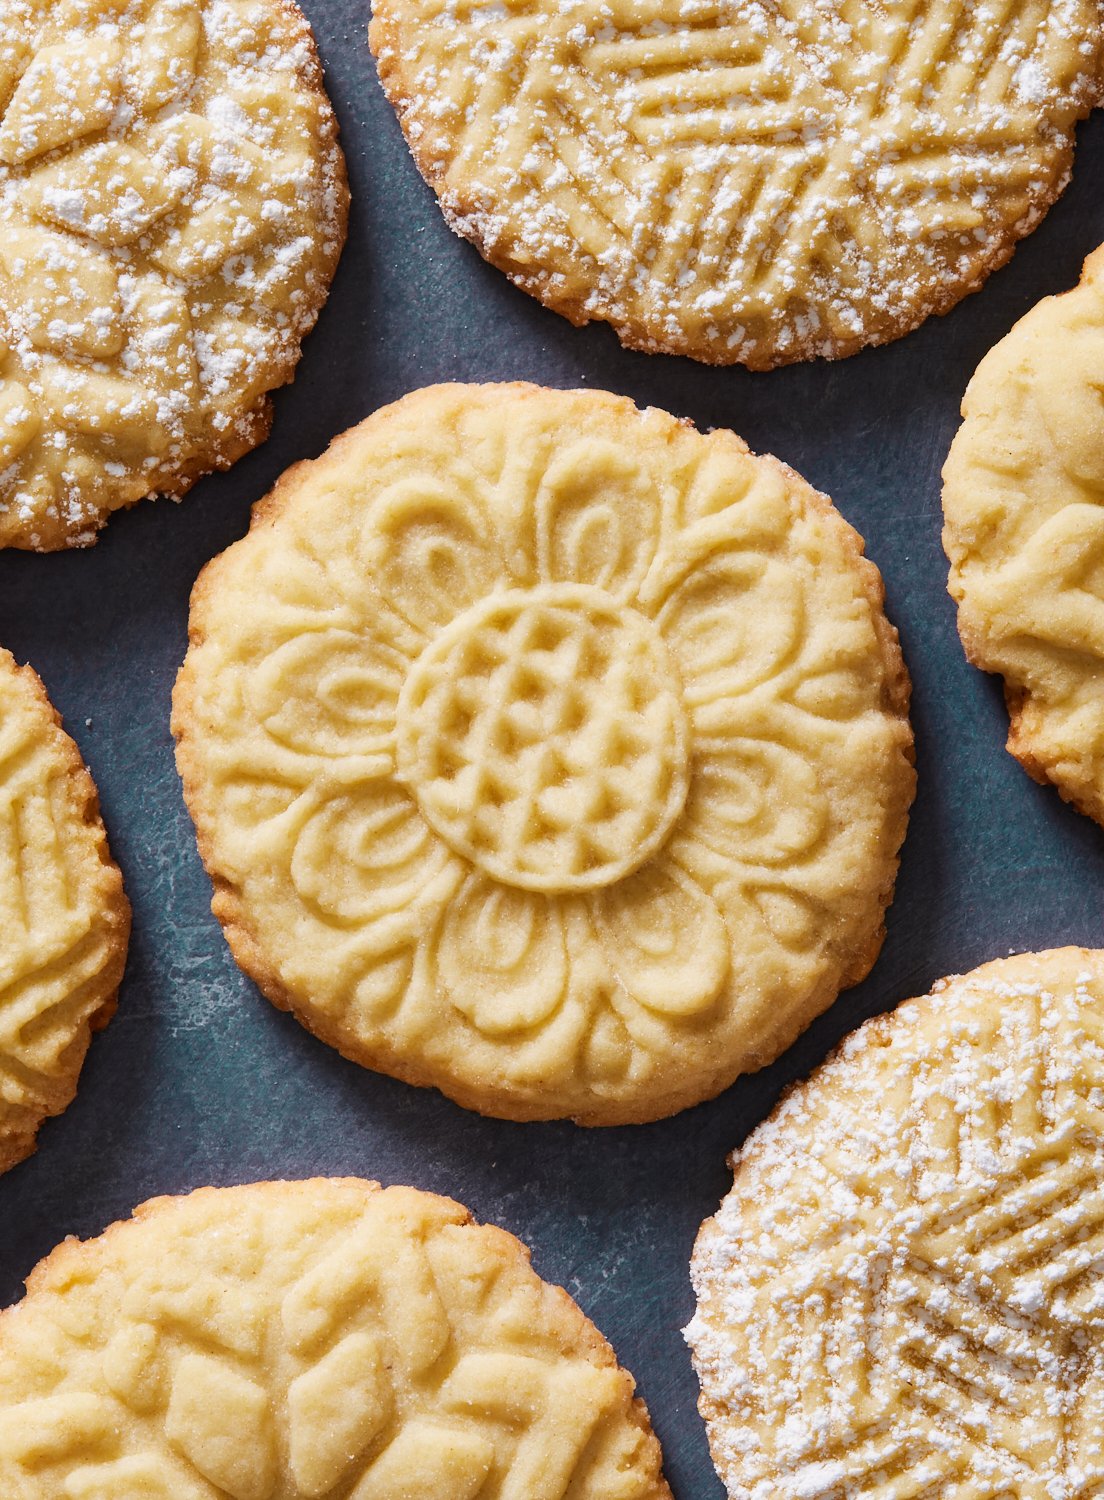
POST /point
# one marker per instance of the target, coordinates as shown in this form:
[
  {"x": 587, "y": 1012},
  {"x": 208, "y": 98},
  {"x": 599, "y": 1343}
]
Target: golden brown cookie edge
[
  {"x": 84, "y": 803},
  {"x": 498, "y": 1103}
]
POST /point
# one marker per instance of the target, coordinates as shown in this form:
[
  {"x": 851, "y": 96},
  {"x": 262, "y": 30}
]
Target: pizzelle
[
  {"x": 902, "y": 1294},
  {"x": 172, "y": 206},
  {"x": 321, "y": 1340},
  {"x": 64, "y": 920},
  {"x": 1023, "y": 501},
  {"x": 547, "y": 751},
  {"x": 739, "y": 180}
]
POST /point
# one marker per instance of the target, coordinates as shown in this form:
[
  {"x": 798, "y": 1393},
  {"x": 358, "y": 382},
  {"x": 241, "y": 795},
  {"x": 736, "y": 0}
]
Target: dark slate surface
[{"x": 200, "y": 1080}]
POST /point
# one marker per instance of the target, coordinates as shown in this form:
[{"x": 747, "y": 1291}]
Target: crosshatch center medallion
[
  {"x": 544, "y": 737},
  {"x": 547, "y": 751}
]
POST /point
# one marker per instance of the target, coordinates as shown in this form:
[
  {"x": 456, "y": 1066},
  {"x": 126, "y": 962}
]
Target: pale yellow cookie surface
[
  {"x": 64, "y": 921},
  {"x": 547, "y": 751},
  {"x": 737, "y": 180},
  {"x": 902, "y": 1293},
  {"x": 321, "y": 1340},
  {"x": 172, "y": 206},
  {"x": 1023, "y": 501}
]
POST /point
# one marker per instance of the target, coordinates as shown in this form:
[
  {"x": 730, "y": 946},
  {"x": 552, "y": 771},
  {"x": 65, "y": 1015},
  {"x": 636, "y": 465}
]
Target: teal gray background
[{"x": 200, "y": 1080}]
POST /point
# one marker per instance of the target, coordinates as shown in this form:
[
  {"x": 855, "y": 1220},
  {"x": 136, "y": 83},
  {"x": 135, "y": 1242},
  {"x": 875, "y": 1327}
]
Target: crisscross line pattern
[
  {"x": 743, "y": 180},
  {"x": 942, "y": 1312},
  {"x": 544, "y": 737}
]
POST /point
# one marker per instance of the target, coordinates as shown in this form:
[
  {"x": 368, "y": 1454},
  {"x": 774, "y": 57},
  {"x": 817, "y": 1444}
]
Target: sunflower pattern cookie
[
  {"x": 1023, "y": 500},
  {"x": 64, "y": 920},
  {"x": 546, "y": 751},
  {"x": 172, "y": 206},
  {"x": 736, "y": 180},
  {"x": 320, "y": 1340},
  {"x": 902, "y": 1293}
]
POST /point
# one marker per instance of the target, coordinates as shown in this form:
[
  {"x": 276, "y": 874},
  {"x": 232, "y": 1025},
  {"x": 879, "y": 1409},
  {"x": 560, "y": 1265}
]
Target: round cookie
[
  {"x": 901, "y": 1293},
  {"x": 743, "y": 182},
  {"x": 172, "y": 207},
  {"x": 324, "y": 1340},
  {"x": 1023, "y": 502},
  {"x": 546, "y": 751},
  {"x": 64, "y": 920}
]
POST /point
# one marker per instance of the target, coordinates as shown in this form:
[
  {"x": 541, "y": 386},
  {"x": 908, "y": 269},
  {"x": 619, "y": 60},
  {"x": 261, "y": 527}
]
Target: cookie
[
  {"x": 172, "y": 207},
  {"x": 1023, "y": 503},
  {"x": 546, "y": 751},
  {"x": 902, "y": 1294},
  {"x": 64, "y": 920},
  {"x": 743, "y": 182},
  {"x": 311, "y": 1339}
]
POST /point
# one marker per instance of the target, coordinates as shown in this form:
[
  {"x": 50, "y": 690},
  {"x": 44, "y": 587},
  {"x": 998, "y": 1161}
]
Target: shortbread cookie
[
  {"x": 172, "y": 206},
  {"x": 324, "y": 1340},
  {"x": 902, "y": 1294},
  {"x": 64, "y": 921},
  {"x": 736, "y": 180},
  {"x": 547, "y": 751},
  {"x": 1023, "y": 499}
]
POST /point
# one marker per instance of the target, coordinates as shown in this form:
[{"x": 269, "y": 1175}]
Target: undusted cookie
[
  {"x": 902, "y": 1293},
  {"x": 64, "y": 921},
  {"x": 311, "y": 1339},
  {"x": 546, "y": 751},
  {"x": 172, "y": 206},
  {"x": 1023, "y": 500},
  {"x": 743, "y": 181}
]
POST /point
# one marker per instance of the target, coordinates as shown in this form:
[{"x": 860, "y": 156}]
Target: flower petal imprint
[
  {"x": 1024, "y": 531},
  {"x": 547, "y": 751}
]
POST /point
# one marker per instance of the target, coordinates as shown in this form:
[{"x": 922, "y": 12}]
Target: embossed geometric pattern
[
  {"x": 902, "y": 1293},
  {"x": 546, "y": 751},
  {"x": 544, "y": 737},
  {"x": 741, "y": 180},
  {"x": 1023, "y": 500},
  {"x": 311, "y": 1341},
  {"x": 172, "y": 205},
  {"x": 64, "y": 920}
]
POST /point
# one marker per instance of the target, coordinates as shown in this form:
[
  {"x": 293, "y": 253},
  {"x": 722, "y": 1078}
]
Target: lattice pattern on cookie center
[{"x": 544, "y": 736}]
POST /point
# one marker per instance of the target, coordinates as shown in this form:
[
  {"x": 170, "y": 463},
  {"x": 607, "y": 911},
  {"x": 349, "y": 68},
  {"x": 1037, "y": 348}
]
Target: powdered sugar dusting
[
  {"x": 903, "y": 1292},
  {"x": 172, "y": 205},
  {"x": 743, "y": 180}
]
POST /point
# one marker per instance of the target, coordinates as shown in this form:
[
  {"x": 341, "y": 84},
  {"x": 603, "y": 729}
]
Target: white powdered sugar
[{"x": 904, "y": 1291}]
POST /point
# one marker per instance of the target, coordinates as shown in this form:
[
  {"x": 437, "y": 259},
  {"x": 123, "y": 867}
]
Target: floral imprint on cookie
[{"x": 547, "y": 751}]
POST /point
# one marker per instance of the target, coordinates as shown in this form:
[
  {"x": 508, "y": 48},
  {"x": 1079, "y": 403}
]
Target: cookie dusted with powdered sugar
[
  {"x": 172, "y": 207},
  {"x": 902, "y": 1293},
  {"x": 320, "y": 1340},
  {"x": 547, "y": 751},
  {"x": 741, "y": 181},
  {"x": 64, "y": 920}
]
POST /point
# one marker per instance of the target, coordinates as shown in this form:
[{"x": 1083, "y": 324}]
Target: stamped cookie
[
  {"x": 1023, "y": 501},
  {"x": 902, "y": 1293},
  {"x": 64, "y": 921},
  {"x": 326, "y": 1340},
  {"x": 736, "y": 180},
  {"x": 547, "y": 751},
  {"x": 172, "y": 206}
]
